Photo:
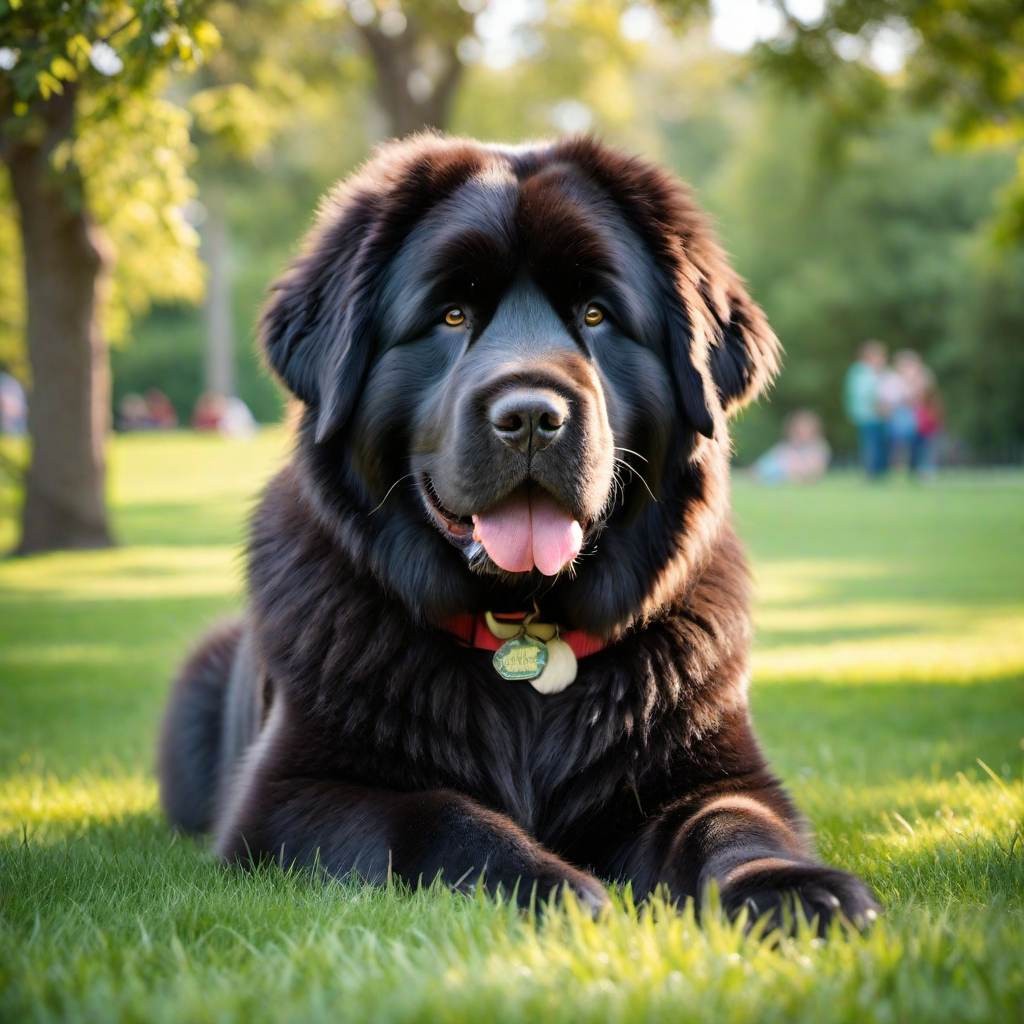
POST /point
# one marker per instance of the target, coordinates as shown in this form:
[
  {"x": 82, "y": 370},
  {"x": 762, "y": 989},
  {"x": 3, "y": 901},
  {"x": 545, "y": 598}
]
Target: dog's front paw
[
  {"x": 554, "y": 877},
  {"x": 779, "y": 888}
]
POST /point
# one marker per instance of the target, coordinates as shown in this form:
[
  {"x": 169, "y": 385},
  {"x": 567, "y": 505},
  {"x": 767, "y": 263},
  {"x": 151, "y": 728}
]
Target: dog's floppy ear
[
  {"x": 690, "y": 383},
  {"x": 736, "y": 361},
  {"x": 314, "y": 327},
  {"x": 723, "y": 353},
  {"x": 744, "y": 355}
]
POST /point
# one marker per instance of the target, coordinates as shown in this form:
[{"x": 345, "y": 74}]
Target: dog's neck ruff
[{"x": 505, "y": 632}]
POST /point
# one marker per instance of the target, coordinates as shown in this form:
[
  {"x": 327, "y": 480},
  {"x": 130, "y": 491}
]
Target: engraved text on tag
[{"x": 522, "y": 657}]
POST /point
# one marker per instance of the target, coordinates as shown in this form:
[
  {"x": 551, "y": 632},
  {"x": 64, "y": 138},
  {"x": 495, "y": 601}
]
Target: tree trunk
[
  {"x": 219, "y": 368},
  {"x": 397, "y": 71},
  {"x": 69, "y": 401}
]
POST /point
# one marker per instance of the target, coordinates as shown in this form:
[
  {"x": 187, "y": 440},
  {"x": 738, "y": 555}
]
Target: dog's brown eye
[
  {"x": 593, "y": 316},
  {"x": 454, "y": 317}
]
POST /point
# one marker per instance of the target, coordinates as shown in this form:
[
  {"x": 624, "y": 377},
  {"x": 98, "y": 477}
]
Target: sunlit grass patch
[
  {"x": 963, "y": 648},
  {"x": 132, "y": 573},
  {"x": 802, "y": 580},
  {"x": 153, "y": 468},
  {"x": 912, "y": 837},
  {"x": 44, "y": 809},
  {"x": 34, "y": 655},
  {"x": 268, "y": 947}
]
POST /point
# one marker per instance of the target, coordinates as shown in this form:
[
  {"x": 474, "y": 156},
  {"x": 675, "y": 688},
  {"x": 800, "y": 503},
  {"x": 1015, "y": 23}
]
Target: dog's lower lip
[{"x": 459, "y": 528}]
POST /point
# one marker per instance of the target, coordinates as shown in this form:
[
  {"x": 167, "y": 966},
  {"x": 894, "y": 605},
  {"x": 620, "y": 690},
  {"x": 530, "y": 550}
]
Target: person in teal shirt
[{"x": 860, "y": 397}]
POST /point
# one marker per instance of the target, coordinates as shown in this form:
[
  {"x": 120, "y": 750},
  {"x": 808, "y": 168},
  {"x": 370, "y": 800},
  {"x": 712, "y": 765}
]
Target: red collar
[{"x": 472, "y": 630}]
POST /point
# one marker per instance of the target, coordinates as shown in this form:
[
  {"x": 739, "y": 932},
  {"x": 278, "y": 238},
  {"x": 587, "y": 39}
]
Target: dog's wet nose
[{"x": 528, "y": 418}]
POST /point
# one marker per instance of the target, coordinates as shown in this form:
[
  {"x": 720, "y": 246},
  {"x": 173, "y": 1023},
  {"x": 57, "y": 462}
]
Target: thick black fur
[{"x": 357, "y": 732}]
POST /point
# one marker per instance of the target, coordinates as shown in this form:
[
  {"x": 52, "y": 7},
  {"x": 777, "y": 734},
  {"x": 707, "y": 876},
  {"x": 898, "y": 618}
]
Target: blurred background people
[
  {"x": 864, "y": 407},
  {"x": 913, "y": 415},
  {"x": 230, "y": 416},
  {"x": 151, "y": 411},
  {"x": 802, "y": 456},
  {"x": 931, "y": 416},
  {"x": 13, "y": 406},
  {"x": 917, "y": 420},
  {"x": 161, "y": 413},
  {"x": 132, "y": 413},
  {"x": 897, "y": 407},
  {"x": 207, "y": 412},
  {"x": 237, "y": 420}
]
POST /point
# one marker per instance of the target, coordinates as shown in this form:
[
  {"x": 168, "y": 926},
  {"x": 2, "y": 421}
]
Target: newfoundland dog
[{"x": 498, "y": 621}]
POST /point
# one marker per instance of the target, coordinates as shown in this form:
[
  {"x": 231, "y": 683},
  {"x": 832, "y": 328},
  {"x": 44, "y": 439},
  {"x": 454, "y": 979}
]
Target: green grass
[{"x": 889, "y": 689}]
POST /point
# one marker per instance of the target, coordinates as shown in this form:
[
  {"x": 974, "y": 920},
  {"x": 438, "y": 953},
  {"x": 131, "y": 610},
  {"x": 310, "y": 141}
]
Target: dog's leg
[
  {"x": 354, "y": 831},
  {"x": 369, "y": 833},
  {"x": 749, "y": 843}
]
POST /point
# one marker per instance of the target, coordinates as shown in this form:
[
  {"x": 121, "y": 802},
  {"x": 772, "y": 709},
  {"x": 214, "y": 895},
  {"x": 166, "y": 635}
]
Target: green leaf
[
  {"x": 48, "y": 85},
  {"x": 62, "y": 68},
  {"x": 78, "y": 50}
]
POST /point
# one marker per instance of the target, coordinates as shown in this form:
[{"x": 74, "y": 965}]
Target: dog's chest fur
[{"x": 381, "y": 700}]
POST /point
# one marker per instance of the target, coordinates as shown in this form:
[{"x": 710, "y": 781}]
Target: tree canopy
[
  {"x": 961, "y": 58},
  {"x": 128, "y": 156}
]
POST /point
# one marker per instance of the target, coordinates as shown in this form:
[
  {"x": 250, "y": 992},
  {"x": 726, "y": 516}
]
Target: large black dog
[{"x": 498, "y": 619}]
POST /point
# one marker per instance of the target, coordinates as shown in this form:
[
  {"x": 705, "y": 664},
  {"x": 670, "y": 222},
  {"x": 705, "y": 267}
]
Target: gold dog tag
[{"x": 522, "y": 657}]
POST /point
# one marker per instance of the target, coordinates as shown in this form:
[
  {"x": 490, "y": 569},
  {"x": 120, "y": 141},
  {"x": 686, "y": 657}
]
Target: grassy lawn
[{"x": 889, "y": 689}]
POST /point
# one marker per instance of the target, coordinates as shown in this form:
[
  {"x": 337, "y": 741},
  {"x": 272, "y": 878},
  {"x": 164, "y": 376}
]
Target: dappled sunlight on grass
[
  {"x": 44, "y": 809},
  {"x": 915, "y": 808},
  {"x": 971, "y": 850},
  {"x": 124, "y": 573},
  {"x": 156, "y": 468},
  {"x": 894, "y": 832},
  {"x": 798, "y": 580},
  {"x": 948, "y": 813},
  {"x": 863, "y": 620},
  {"x": 50, "y": 654},
  {"x": 905, "y": 584},
  {"x": 977, "y": 647}
]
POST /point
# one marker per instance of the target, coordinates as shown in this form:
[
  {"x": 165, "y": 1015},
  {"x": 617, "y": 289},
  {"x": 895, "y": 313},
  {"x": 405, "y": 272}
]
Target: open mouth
[{"x": 528, "y": 529}]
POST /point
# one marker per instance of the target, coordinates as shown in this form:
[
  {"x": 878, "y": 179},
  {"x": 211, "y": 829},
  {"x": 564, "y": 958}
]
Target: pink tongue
[{"x": 525, "y": 531}]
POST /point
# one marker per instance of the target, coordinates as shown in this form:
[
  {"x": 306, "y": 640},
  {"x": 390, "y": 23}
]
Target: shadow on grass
[{"x": 867, "y": 734}]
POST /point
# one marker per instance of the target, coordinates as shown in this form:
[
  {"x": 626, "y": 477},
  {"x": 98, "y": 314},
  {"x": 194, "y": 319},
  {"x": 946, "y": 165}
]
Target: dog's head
[{"x": 517, "y": 366}]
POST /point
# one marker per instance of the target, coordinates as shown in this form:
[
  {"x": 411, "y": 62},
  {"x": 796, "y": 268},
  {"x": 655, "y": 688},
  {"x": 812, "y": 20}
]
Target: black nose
[{"x": 528, "y": 418}]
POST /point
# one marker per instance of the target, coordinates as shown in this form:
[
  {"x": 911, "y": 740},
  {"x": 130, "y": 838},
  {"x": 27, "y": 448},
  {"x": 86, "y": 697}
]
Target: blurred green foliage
[
  {"x": 962, "y": 58},
  {"x": 858, "y": 202},
  {"x": 889, "y": 242}
]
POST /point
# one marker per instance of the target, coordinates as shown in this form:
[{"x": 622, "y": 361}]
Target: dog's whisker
[
  {"x": 638, "y": 475},
  {"x": 390, "y": 489},
  {"x": 629, "y": 451}
]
